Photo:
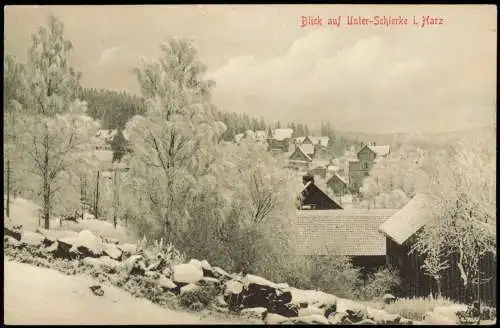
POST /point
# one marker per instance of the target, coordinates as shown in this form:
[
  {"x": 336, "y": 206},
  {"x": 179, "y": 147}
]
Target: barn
[
  {"x": 401, "y": 231},
  {"x": 353, "y": 233}
]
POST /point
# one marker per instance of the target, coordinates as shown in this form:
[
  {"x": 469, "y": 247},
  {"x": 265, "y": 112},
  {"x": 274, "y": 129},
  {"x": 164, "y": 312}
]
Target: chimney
[
  {"x": 308, "y": 177},
  {"x": 374, "y": 143}
]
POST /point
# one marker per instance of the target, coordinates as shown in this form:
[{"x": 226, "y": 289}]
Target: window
[
  {"x": 365, "y": 165},
  {"x": 366, "y": 174}
]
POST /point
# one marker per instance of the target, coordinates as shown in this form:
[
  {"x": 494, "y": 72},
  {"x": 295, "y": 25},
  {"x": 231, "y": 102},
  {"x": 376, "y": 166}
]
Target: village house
[
  {"x": 401, "y": 231},
  {"x": 353, "y": 233},
  {"x": 337, "y": 184},
  {"x": 311, "y": 197},
  {"x": 360, "y": 167},
  {"x": 280, "y": 139},
  {"x": 314, "y": 147},
  {"x": 319, "y": 170},
  {"x": 299, "y": 159}
]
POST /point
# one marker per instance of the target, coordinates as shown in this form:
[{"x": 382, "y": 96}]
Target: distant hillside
[{"x": 424, "y": 140}]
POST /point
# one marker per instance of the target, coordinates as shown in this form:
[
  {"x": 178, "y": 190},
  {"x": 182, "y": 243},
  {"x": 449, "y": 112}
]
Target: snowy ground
[
  {"x": 25, "y": 212},
  {"x": 53, "y": 299}
]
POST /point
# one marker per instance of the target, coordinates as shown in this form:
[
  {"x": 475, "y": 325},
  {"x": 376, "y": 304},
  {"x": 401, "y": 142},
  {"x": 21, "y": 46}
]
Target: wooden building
[
  {"x": 360, "y": 167},
  {"x": 280, "y": 139},
  {"x": 401, "y": 231},
  {"x": 337, "y": 184},
  {"x": 352, "y": 232},
  {"x": 319, "y": 170},
  {"x": 299, "y": 159},
  {"x": 313, "y": 198}
]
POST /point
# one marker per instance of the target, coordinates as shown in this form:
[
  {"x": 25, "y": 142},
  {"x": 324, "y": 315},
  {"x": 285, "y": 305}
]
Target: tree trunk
[
  {"x": 7, "y": 207},
  {"x": 46, "y": 183},
  {"x": 438, "y": 287},
  {"x": 115, "y": 198},
  {"x": 96, "y": 208}
]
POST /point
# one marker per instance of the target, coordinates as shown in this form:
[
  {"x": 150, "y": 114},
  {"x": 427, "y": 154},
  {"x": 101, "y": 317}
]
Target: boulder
[
  {"x": 66, "y": 248},
  {"x": 382, "y": 317},
  {"x": 186, "y": 273},
  {"x": 105, "y": 263},
  {"x": 54, "y": 235},
  {"x": 308, "y": 320},
  {"x": 12, "y": 230},
  {"x": 344, "y": 304},
  {"x": 196, "y": 263},
  {"x": 276, "y": 298},
  {"x": 434, "y": 318},
  {"x": 310, "y": 310},
  {"x": 205, "y": 265},
  {"x": 128, "y": 249},
  {"x": 337, "y": 318},
  {"x": 189, "y": 288},
  {"x": 258, "y": 313},
  {"x": 112, "y": 251},
  {"x": 110, "y": 240},
  {"x": 405, "y": 321},
  {"x": 218, "y": 273},
  {"x": 388, "y": 298},
  {"x": 11, "y": 241},
  {"x": 316, "y": 298},
  {"x": 220, "y": 302},
  {"x": 233, "y": 294},
  {"x": 134, "y": 265},
  {"x": 166, "y": 283},
  {"x": 32, "y": 238},
  {"x": 86, "y": 243},
  {"x": 367, "y": 322},
  {"x": 274, "y": 319}
]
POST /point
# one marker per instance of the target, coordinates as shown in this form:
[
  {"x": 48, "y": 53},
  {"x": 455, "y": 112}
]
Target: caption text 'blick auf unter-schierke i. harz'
[{"x": 338, "y": 21}]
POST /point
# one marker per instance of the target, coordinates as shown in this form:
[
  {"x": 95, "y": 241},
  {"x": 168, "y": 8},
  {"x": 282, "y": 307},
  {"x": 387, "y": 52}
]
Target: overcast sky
[{"x": 360, "y": 78}]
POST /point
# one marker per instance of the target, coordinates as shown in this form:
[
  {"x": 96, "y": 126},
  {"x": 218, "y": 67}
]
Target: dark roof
[
  {"x": 352, "y": 232},
  {"x": 312, "y": 194}
]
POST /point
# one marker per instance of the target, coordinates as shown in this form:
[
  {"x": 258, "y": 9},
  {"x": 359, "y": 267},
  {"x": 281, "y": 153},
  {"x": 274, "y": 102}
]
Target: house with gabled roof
[
  {"x": 299, "y": 159},
  {"x": 360, "y": 167},
  {"x": 311, "y": 197},
  {"x": 401, "y": 232},
  {"x": 280, "y": 139},
  {"x": 337, "y": 184}
]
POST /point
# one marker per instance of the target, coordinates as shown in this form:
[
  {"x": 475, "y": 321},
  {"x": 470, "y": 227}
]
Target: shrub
[
  {"x": 384, "y": 280},
  {"x": 415, "y": 308},
  {"x": 203, "y": 296}
]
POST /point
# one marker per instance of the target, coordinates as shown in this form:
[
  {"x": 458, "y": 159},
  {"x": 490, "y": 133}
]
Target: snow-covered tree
[
  {"x": 461, "y": 185},
  {"x": 174, "y": 142},
  {"x": 55, "y": 132}
]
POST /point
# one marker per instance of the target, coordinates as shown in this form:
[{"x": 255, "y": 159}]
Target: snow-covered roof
[
  {"x": 260, "y": 133},
  {"x": 308, "y": 149},
  {"x": 300, "y": 149},
  {"x": 382, "y": 150},
  {"x": 281, "y": 134}
]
